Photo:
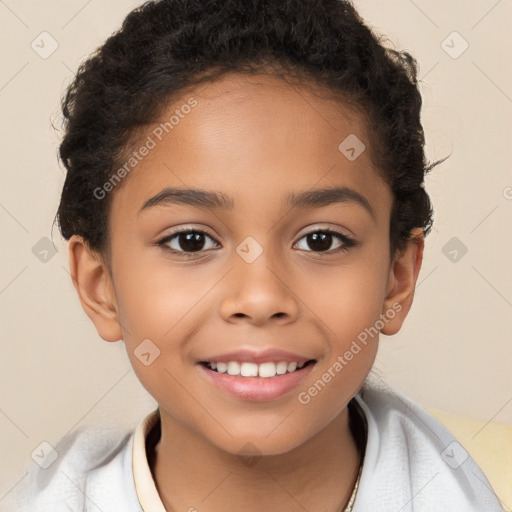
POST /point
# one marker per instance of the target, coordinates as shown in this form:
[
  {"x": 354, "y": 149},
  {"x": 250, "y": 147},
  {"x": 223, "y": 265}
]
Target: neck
[{"x": 190, "y": 473}]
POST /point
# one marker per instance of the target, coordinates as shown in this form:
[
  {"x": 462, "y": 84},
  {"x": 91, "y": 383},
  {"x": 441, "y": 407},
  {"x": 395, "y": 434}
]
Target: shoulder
[
  {"x": 413, "y": 460},
  {"x": 85, "y": 460}
]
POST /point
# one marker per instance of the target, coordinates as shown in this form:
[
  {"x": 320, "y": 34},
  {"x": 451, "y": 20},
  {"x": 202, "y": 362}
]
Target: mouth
[
  {"x": 264, "y": 370},
  {"x": 257, "y": 382}
]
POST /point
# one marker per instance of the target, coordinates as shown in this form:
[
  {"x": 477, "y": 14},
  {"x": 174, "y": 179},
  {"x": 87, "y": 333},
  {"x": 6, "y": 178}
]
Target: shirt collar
[{"x": 145, "y": 488}]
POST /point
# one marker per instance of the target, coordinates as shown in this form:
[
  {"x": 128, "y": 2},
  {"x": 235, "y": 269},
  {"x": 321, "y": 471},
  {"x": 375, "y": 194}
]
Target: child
[{"x": 245, "y": 209}]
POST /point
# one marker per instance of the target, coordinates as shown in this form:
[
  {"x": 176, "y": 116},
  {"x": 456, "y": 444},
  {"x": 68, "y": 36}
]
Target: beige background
[{"x": 455, "y": 350}]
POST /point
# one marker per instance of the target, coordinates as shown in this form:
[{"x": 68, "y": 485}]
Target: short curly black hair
[{"x": 166, "y": 46}]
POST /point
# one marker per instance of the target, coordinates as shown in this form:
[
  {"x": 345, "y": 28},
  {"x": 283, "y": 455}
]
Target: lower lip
[{"x": 256, "y": 389}]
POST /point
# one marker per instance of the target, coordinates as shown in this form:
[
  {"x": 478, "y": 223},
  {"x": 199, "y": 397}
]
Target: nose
[{"x": 258, "y": 293}]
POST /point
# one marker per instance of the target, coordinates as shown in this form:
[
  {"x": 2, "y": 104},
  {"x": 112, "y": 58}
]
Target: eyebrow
[
  {"x": 217, "y": 200},
  {"x": 326, "y": 197}
]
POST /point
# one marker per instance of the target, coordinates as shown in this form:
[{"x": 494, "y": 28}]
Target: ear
[
  {"x": 403, "y": 275},
  {"x": 93, "y": 283}
]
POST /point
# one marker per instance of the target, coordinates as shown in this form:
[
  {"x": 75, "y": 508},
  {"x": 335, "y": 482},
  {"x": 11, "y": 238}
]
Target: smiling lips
[
  {"x": 256, "y": 376},
  {"x": 248, "y": 363},
  {"x": 265, "y": 370}
]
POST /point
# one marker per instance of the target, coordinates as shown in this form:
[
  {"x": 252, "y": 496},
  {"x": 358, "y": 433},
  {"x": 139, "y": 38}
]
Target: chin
[{"x": 258, "y": 444}]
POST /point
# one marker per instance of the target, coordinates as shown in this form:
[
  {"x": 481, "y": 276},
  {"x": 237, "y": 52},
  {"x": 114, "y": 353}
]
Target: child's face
[{"x": 254, "y": 143}]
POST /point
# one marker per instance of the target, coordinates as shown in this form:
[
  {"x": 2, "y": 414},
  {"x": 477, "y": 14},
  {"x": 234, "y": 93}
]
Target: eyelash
[{"x": 347, "y": 241}]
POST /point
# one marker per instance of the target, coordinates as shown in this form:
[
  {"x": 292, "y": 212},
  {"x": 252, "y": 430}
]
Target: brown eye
[
  {"x": 191, "y": 242},
  {"x": 188, "y": 241},
  {"x": 322, "y": 241},
  {"x": 319, "y": 241}
]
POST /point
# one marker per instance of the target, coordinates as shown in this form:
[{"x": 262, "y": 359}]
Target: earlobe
[
  {"x": 401, "y": 284},
  {"x": 93, "y": 284}
]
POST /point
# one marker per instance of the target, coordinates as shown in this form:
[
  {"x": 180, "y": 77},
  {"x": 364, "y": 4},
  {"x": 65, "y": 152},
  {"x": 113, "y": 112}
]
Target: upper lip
[{"x": 252, "y": 356}]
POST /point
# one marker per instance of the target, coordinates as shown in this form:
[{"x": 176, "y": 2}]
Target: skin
[{"x": 254, "y": 139}]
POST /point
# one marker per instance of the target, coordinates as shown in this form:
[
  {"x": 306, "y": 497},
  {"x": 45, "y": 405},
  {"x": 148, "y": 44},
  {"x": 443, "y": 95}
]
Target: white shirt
[{"x": 411, "y": 464}]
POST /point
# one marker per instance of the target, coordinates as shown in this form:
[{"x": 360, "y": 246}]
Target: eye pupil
[
  {"x": 320, "y": 241},
  {"x": 191, "y": 241}
]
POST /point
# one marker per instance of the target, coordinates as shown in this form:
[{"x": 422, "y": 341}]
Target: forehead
[{"x": 253, "y": 137}]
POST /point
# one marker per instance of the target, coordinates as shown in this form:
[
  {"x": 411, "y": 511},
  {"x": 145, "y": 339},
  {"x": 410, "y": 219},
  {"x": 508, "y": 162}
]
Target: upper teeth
[{"x": 255, "y": 370}]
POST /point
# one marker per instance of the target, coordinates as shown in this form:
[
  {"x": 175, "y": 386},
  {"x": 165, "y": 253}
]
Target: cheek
[
  {"x": 349, "y": 310},
  {"x": 159, "y": 311},
  {"x": 349, "y": 317},
  {"x": 355, "y": 295},
  {"x": 152, "y": 300},
  {"x": 349, "y": 298}
]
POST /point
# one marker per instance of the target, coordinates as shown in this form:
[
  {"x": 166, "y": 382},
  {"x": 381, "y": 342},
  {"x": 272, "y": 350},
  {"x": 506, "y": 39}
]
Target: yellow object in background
[{"x": 490, "y": 446}]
